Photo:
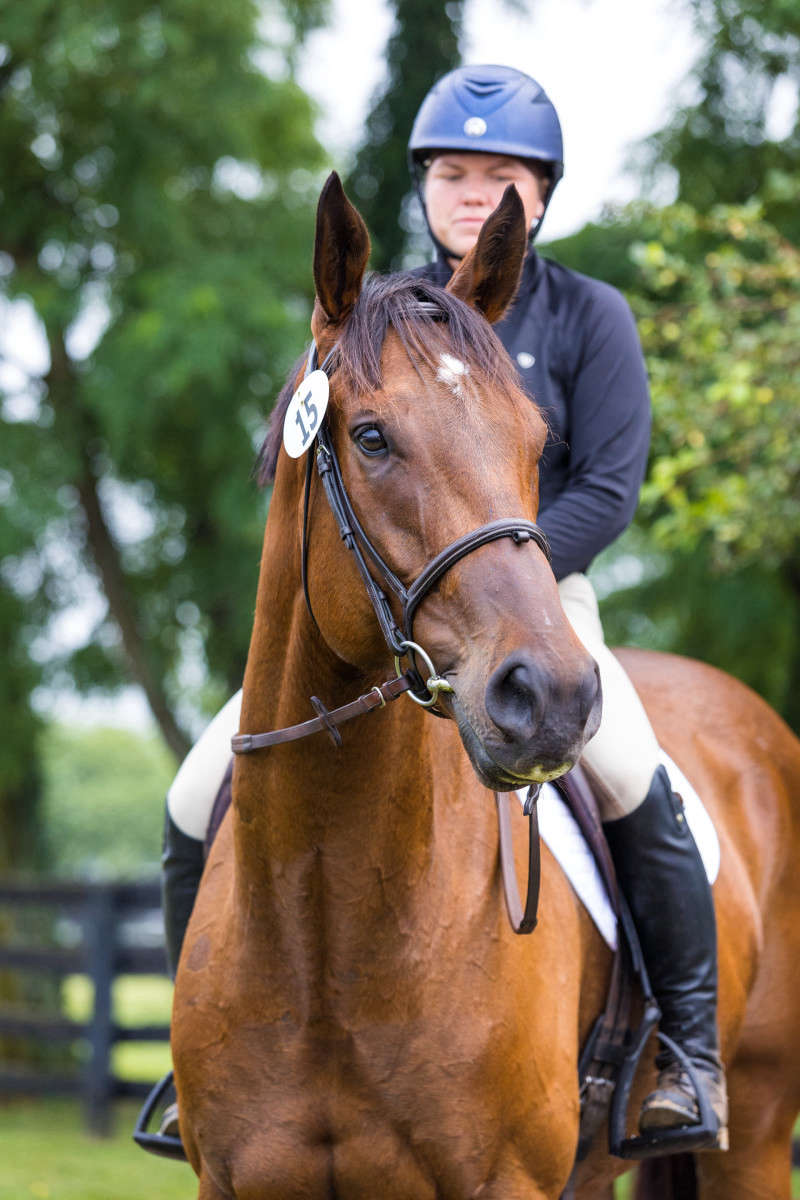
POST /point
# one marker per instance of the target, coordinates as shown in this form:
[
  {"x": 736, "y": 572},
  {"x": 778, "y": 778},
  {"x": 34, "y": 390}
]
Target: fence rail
[{"x": 101, "y": 912}]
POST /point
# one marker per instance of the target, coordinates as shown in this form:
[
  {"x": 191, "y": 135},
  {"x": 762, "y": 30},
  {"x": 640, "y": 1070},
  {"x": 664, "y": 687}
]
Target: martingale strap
[
  {"x": 377, "y": 697},
  {"x": 523, "y": 920}
]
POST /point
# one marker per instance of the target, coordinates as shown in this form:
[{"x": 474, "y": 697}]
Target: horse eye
[{"x": 371, "y": 440}]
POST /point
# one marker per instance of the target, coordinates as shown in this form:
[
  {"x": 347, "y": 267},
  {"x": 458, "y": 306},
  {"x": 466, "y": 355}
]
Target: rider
[
  {"x": 576, "y": 347},
  {"x": 575, "y": 344}
]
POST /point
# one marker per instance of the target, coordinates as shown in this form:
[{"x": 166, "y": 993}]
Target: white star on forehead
[{"x": 451, "y": 371}]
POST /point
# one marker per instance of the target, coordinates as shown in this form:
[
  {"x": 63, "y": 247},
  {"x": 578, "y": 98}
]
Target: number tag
[{"x": 304, "y": 414}]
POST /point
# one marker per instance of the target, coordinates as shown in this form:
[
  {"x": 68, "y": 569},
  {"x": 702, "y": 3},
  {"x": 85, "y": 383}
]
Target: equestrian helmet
[{"x": 494, "y": 109}]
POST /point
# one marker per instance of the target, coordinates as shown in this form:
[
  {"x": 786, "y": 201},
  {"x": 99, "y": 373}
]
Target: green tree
[
  {"x": 717, "y": 299},
  {"x": 103, "y": 800},
  {"x": 159, "y": 187},
  {"x": 719, "y": 315},
  {"x": 722, "y": 145},
  {"x": 423, "y": 46},
  {"x": 716, "y": 295}
]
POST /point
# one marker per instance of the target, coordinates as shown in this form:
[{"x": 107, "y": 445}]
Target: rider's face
[{"x": 461, "y": 189}]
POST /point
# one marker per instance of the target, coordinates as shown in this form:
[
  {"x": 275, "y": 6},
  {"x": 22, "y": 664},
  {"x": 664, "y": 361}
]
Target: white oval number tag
[{"x": 304, "y": 414}]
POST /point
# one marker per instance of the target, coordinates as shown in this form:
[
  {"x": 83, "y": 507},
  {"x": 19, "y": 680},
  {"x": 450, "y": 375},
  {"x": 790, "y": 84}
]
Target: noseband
[{"x": 399, "y": 640}]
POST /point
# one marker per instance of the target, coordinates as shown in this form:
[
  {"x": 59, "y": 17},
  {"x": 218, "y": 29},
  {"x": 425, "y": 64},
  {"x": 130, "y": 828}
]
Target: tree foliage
[
  {"x": 724, "y": 145},
  {"x": 159, "y": 187},
  {"x": 713, "y": 280},
  {"x": 719, "y": 316},
  {"x": 99, "y": 821},
  {"x": 422, "y": 47},
  {"x": 717, "y": 300}
]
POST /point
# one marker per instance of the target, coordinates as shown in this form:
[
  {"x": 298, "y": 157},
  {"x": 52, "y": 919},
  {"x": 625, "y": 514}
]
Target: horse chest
[
  {"x": 350, "y": 1121},
  {"x": 398, "y": 1103}
]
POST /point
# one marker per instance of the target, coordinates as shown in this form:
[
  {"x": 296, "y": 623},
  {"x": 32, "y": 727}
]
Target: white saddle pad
[{"x": 566, "y": 843}]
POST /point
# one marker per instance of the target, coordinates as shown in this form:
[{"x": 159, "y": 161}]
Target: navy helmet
[{"x": 493, "y": 109}]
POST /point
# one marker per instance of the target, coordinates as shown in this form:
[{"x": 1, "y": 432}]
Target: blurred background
[{"x": 159, "y": 170}]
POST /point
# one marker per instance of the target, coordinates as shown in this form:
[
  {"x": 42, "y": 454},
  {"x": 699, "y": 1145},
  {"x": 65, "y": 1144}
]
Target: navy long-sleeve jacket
[{"x": 575, "y": 345}]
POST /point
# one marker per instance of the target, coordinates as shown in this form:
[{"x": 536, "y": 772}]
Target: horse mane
[{"x": 414, "y": 308}]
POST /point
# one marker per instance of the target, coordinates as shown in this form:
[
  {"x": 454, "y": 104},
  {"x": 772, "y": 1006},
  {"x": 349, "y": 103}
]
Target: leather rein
[{"x": 424, "y": 692}]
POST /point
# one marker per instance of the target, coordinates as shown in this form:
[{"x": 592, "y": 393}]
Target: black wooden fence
[{"x": 100, "y": 926}]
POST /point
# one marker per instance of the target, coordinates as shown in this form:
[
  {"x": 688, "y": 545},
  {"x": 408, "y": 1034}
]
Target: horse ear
[
  {"x": 341, "y": 251},
  {"x": 488, "y": 277}
]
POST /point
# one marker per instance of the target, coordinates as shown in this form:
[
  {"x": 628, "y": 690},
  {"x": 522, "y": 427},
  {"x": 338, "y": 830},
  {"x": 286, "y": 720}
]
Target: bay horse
[{"x": 353, "y": 1015}]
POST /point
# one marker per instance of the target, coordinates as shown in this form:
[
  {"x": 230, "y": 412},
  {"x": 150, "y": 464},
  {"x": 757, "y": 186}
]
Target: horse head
[{"x": 435, "y": 438}]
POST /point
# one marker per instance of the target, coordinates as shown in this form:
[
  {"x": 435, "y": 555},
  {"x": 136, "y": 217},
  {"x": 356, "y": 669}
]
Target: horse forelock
[{"x": 428, "y": 321}]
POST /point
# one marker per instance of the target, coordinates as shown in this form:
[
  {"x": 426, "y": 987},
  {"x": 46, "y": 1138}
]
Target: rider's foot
[
  {"x": 673, "y": 1104},
  {"x": 169, "y": 1126}
]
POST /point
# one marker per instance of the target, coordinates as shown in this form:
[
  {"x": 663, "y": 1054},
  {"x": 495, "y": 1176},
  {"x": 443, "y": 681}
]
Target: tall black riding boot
[
  {"x": 182, "y": 860},
  {"x": 662, "y": 877},
  {"x": 181, "y": 867}
]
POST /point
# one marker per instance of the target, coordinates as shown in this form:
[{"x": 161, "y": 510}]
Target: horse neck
[{"x": 307, "y": 807}]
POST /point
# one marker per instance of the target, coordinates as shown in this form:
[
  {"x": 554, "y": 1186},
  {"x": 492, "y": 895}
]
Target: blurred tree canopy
[
  {"x": 717, "y": 299},
  {"x": 719, "y": 315},
  {"x": 422, "y": 47},
  {"x": 95, "y": 830},
  {"x": 740, "y": 137},
  {"x": 714, "y": 280},
  {"x": 156, "y": 210}
]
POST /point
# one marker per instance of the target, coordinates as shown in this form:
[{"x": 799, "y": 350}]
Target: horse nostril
[
  {"x": 590, "y": 694},
  {"x": 514, "y": 697},
  {"x": 592, "y": 691}
]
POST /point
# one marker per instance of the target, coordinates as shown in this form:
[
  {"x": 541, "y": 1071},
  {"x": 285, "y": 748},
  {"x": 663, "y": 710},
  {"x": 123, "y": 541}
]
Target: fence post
[{"x": 101, "y": 946}]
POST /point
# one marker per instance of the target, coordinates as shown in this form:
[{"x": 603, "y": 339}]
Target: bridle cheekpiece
[{"x": 399, "y": 638}]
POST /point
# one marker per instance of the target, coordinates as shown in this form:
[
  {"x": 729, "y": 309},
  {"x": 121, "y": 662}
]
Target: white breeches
[
  {"x": 621, "y": 757},
  {"x": 194, "y": 789}
]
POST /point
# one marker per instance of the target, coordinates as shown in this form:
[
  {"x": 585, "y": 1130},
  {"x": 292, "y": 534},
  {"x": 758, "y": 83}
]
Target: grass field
[
  {"x": 47, "y": 1155},
  {"x": 45, "y": 1151}
]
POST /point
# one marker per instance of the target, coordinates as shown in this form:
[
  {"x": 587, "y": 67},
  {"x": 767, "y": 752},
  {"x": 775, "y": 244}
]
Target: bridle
[{"x": 399, "y": 641}]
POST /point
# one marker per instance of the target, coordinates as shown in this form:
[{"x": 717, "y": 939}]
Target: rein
[{"x": 424, "y": 692}]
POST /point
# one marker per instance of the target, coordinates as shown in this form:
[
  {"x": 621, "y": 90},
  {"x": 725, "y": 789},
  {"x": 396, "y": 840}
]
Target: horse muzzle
[{"x": 535, "y": 723}]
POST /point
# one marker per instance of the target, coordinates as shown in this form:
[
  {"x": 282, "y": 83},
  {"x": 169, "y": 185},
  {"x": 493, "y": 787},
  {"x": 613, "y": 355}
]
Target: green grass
[
  {"x": 44, "y": 1147},
  {"x": 47, "y": 1155}
]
